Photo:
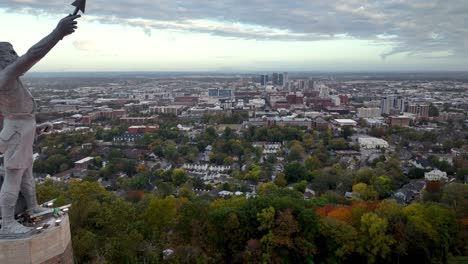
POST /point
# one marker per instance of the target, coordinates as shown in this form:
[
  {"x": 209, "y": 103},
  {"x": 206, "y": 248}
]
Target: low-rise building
[
  {"x": 399, "y": 121},
  {"x": 84, "y": 163},
  {"x": 368, "y": 112},
  {"x": 372, "y": 143},
  {"x": 344, "y": 122},
  {"x": 170, "y": 109},
  {"x": 139, "y": 120},
  {"x": 142, "y": 129},
  {"x": 129, "y": 138},
  {"x": 435, "y": 175}
]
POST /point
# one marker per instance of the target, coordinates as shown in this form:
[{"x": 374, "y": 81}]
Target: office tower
[
  {"x": 213, "y": 92},
  {"x": 392, "y": 103},
  {"x": 285, "y": 79},
  {"x": 275, "y": 78},
  {"x": 324, "y": 91},
  {"x": 386, "y": 104},
  {"x": 310, "y": 85},
  {"x": 263, "y": 79}
]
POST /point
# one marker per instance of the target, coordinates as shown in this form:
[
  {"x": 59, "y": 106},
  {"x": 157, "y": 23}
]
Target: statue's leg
[
  {"x": 28, "y": 190},
  {"x": 8, "y": 197}
]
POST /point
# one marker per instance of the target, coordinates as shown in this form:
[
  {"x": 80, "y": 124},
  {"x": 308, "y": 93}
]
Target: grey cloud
[{"x": 417, "y": 27}]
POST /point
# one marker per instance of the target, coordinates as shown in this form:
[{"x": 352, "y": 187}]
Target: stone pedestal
[{"x": 49, "y": 246}]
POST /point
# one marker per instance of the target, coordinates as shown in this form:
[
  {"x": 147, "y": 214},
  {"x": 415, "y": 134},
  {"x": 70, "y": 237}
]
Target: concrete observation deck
[{"x": 51, "y": 245}]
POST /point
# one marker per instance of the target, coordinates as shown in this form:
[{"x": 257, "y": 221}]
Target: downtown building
[
  {"x": 280, "y": 79},
  {"x": 420, "y": 110},
  {"x": 392, "y": 104},
  {"x": 368, "y": 112},
  {"x": 264, "y": 79},
  {"x": 217, "y": 92}
]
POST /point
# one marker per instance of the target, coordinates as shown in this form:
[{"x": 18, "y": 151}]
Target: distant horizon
[{"x": 343, "y": 36}]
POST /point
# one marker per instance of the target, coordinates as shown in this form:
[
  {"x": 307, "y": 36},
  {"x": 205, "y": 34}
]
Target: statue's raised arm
[{"x": 21, "y": 65}]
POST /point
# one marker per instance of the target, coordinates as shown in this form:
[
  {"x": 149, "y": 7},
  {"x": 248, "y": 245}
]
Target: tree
[
  {"x": 138, "y": 182},
  {"x": 462, "y": 173},
  {"x": 431, "y": 231},
  {"x": 365, "y": 192},
  {"x": 339, "y": 240},
  {"x": 347, "y": 132},
  {"x": 296, "y": 152},
  {"x": 170, "y": 152},
  {"x": 54, "y": 163},
  {"x": 301, "y": 186},
  {"x": 416, "y": 173},
  {"x": 286, "y": 226},
  {"x": 280, "y": 180},
  {"x": 338, "y": 144},
  {"x": 433, "y": 111},
  {"x": 374, "y": 243},
  {"x": 159, "y": 216},
  {"x": 294, "y": 172},
  {"x": 254, "y": 173},
  {"x": 313, "y": 163},
  {"x": 383, "y": 186},
  {"x": 179, "y": 177},
  {"x": 432, "y": 192},
  {"x": 455, "y": 195}
]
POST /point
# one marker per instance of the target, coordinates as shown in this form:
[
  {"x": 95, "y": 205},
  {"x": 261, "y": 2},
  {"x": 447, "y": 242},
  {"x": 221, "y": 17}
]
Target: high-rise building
[
  {"x": 310, "y": 85},
  {"x": 324, "y": 91},
  {"x": 285, "y": 79},
  {"x": 263, "y": 79},
  {"x": 392, "y": 103},
  {"x": 275, "y": 78},
  {"x": 213, "y": 92}
]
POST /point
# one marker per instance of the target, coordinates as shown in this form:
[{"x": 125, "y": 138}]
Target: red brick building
[
  {"x": 139, "y": 120},
  {"x": 319, "y": 104},
  {"x": 186, "y": 100},
  {"x": 114, "y": 114},
  {"x": 295, "y": 99},
  {"x": 344, "y": 99}
]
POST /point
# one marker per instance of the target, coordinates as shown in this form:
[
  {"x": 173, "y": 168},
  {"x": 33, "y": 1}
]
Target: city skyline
[{"x": 269, "y": 35}]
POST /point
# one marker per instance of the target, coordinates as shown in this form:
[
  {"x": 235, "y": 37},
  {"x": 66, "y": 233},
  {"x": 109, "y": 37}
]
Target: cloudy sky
[{"x": 246, "y": 35}]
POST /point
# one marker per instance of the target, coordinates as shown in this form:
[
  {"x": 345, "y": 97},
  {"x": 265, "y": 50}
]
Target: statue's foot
[
  {"x": 37, "y": 210},
  {"x": 14, "y": 228}
]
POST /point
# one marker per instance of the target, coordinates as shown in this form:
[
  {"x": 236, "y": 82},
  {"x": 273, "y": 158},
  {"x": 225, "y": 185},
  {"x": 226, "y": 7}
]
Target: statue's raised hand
[{"x": 67, "y": 25}]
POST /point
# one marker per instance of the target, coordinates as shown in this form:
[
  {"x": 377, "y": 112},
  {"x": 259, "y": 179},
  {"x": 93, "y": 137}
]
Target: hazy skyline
[{"x": 247, "y": 35}]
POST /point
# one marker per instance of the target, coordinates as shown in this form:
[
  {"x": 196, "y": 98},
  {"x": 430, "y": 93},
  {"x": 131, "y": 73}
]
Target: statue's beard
[{"x": 6, "y": 60}]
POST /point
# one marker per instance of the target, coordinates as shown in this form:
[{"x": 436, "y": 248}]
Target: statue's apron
[{"x": 16, "y": 140}]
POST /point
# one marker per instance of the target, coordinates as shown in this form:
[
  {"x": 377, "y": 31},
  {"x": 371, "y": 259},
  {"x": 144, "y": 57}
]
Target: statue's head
[{"x": 7, "y": 54}]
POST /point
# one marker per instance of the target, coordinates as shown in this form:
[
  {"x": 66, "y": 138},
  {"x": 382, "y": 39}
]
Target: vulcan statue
[{"x": 19, "y": 127}]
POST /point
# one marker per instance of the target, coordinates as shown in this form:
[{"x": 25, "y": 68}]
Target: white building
[
  {"x": 436, "y": 175},
  {"x": 171, "y": 109},
  {"x": 344, "y": 122},
  {"x": 368, "y": 112},
  {"x": 372, "y": 143}
]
